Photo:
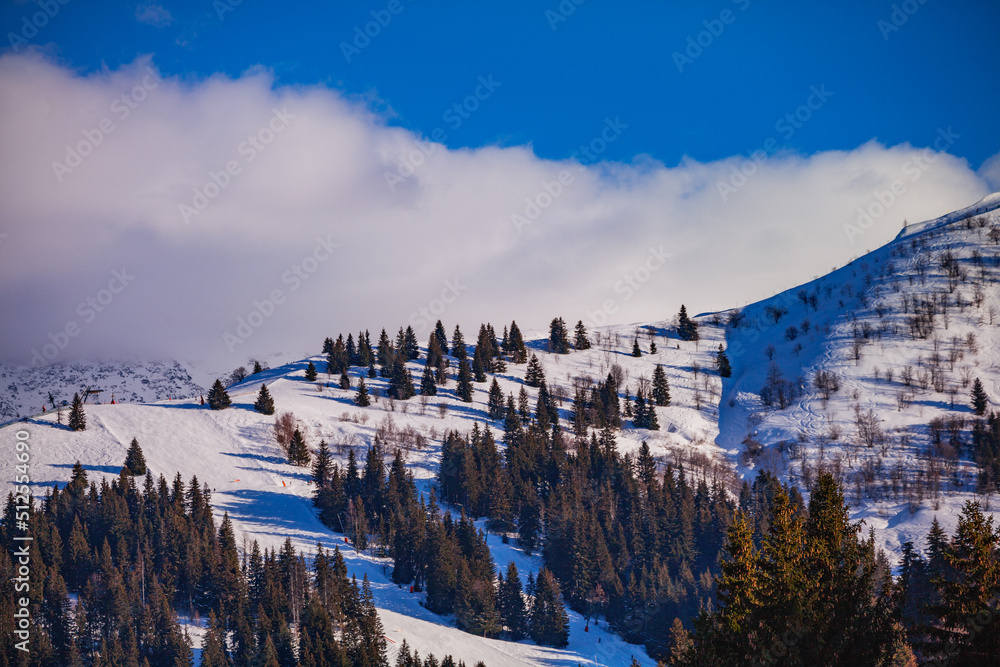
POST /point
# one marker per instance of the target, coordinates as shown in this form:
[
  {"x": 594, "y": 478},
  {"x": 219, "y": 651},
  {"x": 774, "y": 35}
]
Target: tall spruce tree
[
  {"x": 298, "y": 452},
  {"x": 135, "y": 462},
  {"x": 264, "y": 403},
  {"x": 979, "y": 398},
  {"x": 636, "y": 352},
  {"x": 687, "y": 329},
  {"x": 517, "y": 351},
  {"x": 311, "y": 372},
  {"x": 428, "y": 385},
  {"x": 77, "y": 417},
  {"x": 510, "y": 603},
  {"x": 458, "y": 344},
  {"x": 218, "y": 397},
  {"x": 722, "y": 363},
  {"x": 549, "y": 622},
  {"x": 362, "y": 399},
  {"x": 534, "y": 376},
  {"x": 558, "y": 337},
  {"x": 495, "y": 405},
  {"x": 581, "y": 341},
  {"x": 661, "y": 388},
  {"x": 464, "y": 389}
]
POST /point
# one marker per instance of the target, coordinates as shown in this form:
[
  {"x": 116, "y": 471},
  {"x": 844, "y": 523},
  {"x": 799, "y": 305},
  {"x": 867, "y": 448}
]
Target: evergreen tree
[
  {"x": 298, "y": 453},
  {"x": 77, "y": 418},
  {"x": 636, "y": 352},
  {"x": 327, "y": 345},
  {"x": 549, "y": 622},
  {"x": 661, "y": 388},
  {"x": 458, "y": 344},
  {"x": 464, "y": 390},
  {"x": 478, "y": 367},
  {"x": 534, "y": 376},
  {"x": 322, "y": 466},
  {"x": 264, "y": 403},
  {"x": 410, "y": 347},
  {"x": 371, "y": 369},
  {"x": 257, "y": 368},
  {"x": 581, "y": 341},
  {"x": 495, "y": 405},
  {"x": 361, "y": 399},
  {"x": 135, "y": 462},
  {"x": 441, "y": 336},
  {"x": 311, "y": 372},
  {"x": 979, "y": 398},
  {"x": 722, "y": 363},
  {"x": 516, "y": 349},
  {"x": 428, "y": 386},
  {"x": 558, "y": 338},
  {"x": 218, "y": 397},
  {"x": 687, "y": 329},
  {"x": 345, "y": 379},
  {"x": 510, "y": 604}
]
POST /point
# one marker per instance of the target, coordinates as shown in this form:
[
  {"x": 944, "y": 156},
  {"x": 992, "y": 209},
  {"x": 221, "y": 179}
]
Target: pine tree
[
  {"x": 218, "y": 397},
  {"x": 410, "y": 346},
  {"x": 371, "y": 369},
  {"x": 517, "y": 351},
  {"x": 549, "y": 622},
  {"x": 264, "y": 403},
  {"x": 687, "y": 329},
  {"x": 322, "y": 466},
  {"x": 135, "y": 462},
  {"x": 345, "y": 380},
  {"x": 361, "y": 398},
  {"x": 478, "y": 367},
  {"x": 558, "y": 340},
  {"x": 257, "y": 368},
  {"x": 979, "y": 398},
  {"x": 495, "y": 405},
  {"x": 534, "y": 376},
  {"x": 510, "y": 604},
  {"x": 722, "y": 362},
  {"x": 661, "y": 388},
  {"x": 636, "y": 352},
  {"x": 581, "y": 341},
  {"x": 464, "y": 390},
  {"x": 77, "y": 418},
  {"x": 311, "y": 372},
  {"x": 298, "y": 453},
  {"x": 458, "y": 344},
  {"x": 428, "y": 387},
  {"x": 441, "y": 336}
]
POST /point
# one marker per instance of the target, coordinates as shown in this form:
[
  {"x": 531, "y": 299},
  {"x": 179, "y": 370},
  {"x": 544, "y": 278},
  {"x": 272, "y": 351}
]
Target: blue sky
[
  {"x": 208, "y": 143},
  {"x": 561, "y": 76}
]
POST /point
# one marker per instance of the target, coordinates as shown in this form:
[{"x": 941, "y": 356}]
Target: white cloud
[
  {"x": 153, "y": 14},
  {"x": 989, "y": 171},
  {"x": 323, "y": 175}
]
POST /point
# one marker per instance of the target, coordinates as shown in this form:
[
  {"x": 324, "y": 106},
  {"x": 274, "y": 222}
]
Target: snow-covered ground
[{"x": 706, "y": 425}]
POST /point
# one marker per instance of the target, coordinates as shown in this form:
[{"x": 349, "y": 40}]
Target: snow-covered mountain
[{"x": 865, "y": 328}]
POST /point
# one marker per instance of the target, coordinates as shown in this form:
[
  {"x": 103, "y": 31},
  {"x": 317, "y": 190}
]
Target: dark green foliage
[
  {"x": 410, "y": 347},
  {"x": 558, "y": 336},
  {"x": 722, "y": 363},
  {"x": 661, "y": 388},
  {"x": 687, "y": 329},
  {"x": 510, "y": 604},
  {"x": 478, "y": 368},
  {"x": 464, "y": 389},
  {"x": 534, "y": 376},
  {"x": 218, "y": 397},
  {"x": 264, "y": 403},
  {"x": 979, "y": 398},
  {"x": 77, "y": 417},
  {"x": 644, "y": 413},
  {"x": 371, "y": 370},
  {"x": 311, "y": 372},
  {"x": 428, "y": 385},
  {"x": 257, "y": 368},
  {"x": 135, "y": 462},
  {"x": 581, "y": 341},
  {"x": 636, "y": 352},
  {"x": 495, "y": 405},
  {"x": 441, "y": 336},
  {"x": 458, "y": 344},
  {"x": 327, "y": 345},
  {"x": 298, "y": 452},
  {"x": 361, "y": 399},
  {"x": 549, "y": 622},
  {"x": 345, "y": 380},
  {"x": 400, "y": 381},
  {"x": 812, "y": 588},
  {"x": 515, "y": 348}
]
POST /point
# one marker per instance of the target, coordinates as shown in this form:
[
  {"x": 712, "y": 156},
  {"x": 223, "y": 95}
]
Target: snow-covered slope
[
  {"x": 26, "y": 390},
  {"x": 893, "y": 381}
]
